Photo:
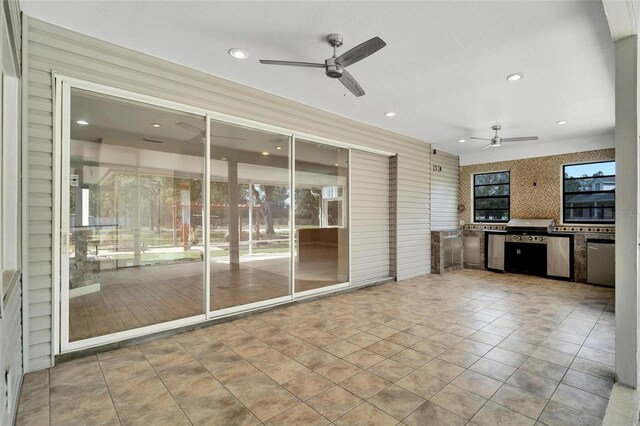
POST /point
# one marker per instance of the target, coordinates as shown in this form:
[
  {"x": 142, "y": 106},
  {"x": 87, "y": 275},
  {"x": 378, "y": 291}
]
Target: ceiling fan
[
  {"x": 334, "y": 67},
  {"x": 496, "y": 140},
  {"x": 202, "y": 133}
]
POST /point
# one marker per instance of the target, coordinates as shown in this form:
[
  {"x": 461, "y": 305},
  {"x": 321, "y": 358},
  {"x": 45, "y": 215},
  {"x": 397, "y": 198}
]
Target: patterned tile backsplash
[
  {"x": 579, "y": 228},
  {"x": 536, "y": 185}
]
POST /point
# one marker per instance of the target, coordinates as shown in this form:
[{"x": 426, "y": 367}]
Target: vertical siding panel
[
  {"x": 369, "y": 217},
  {"x": 444, "y": 191},
  {"x": 52, "y": 48}
]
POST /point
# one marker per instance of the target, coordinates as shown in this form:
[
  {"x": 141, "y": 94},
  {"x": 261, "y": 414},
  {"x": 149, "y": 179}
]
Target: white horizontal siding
[
  {"x": 370, "y": 227},
  {"x": 444, "y": 190},
  {"x": 54, "y": 49}
]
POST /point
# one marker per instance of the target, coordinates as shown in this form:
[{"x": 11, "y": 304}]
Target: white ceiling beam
[{"x": 622, "y": 16}]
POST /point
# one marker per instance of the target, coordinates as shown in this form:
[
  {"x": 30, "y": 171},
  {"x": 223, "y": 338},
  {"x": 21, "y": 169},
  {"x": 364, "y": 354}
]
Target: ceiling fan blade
[
  {"x": 488, "y": 146},
  {"x": 291, "y": 63},
  {"x": 521, "y": 139},
  {"x": 480, "y": 139},
  {"x": 360, "y": 52},
  {"x": 190, "y": 127},
  {"x": 351, "y": 83}
]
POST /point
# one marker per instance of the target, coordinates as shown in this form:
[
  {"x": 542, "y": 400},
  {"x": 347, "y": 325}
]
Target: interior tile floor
[
  {"x": 139, "y": 296},
  {"x": 467, "y": 347}
]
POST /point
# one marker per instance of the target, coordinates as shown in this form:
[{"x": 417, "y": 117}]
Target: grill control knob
[{"x": 529, "y": 238}]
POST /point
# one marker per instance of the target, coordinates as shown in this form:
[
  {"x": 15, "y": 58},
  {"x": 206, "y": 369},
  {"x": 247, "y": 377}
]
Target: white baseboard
[{"x": 81, "y": 291}]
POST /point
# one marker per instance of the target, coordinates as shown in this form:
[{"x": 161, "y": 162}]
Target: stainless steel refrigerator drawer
[{"x": 601, "y": 263}]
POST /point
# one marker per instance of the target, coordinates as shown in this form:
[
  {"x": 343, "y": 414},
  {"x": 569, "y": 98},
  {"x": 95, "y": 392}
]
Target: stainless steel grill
[{"x": 526, "y": 226}]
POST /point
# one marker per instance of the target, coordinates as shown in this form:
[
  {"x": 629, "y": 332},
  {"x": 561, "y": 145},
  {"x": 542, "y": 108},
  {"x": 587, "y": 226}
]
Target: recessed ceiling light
[
  {"x": 238, "y": 53},
  {"x": 462, "y": 140},
  {"x": 155, "y": 124},
  {"x": 82, "y": 122},
  {"x": 390, "y": 114},
  {"x": 278, "y": 147},
  {"x": 265, "y": 153},
  {"x": 224, "y": 158},
  {"x": 561, "y": 122},
  {"x": 515, "y": 77},
  {"x": 336, "y": 164}
]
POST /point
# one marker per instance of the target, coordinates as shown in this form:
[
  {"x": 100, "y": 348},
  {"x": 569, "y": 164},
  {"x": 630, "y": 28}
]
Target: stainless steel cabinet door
[
  {"x": 495, "y": 252},
  {"x": 558, "y": 257}
]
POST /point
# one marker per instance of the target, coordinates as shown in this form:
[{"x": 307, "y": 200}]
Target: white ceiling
[{"x": 443, "y": 71}]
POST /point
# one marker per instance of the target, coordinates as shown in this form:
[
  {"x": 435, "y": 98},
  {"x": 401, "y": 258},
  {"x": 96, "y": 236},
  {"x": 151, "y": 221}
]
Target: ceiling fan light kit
[{"x": 334, "y": 67}]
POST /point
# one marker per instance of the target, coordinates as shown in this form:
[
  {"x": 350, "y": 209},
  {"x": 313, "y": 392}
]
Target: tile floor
[{"x": 468, "y": 347}]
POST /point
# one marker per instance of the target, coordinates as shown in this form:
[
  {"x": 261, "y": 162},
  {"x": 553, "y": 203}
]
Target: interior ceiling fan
[
  {"x": 496, "y": 140},
  {"x": 202, "y": 133},
  {"x": 334, "y": 67}
]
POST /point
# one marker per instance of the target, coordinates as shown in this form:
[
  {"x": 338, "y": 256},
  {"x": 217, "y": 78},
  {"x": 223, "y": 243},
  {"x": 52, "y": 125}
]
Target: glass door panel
[
  {"x": 133, "y": 209},
  {"x": 249, "y": 212},
  {"x": 321, "y": 212}
]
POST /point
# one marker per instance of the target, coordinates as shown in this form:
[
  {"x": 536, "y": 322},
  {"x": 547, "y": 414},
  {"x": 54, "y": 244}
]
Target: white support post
[
  {"x": 627, "y": 184},
  {"x": 251, "y": 218}
]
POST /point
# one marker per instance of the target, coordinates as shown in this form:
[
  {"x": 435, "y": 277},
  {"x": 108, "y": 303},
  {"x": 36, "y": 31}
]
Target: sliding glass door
[
  {"x": 249, "y": 211},
  {"x": 169, "y": 217},
  {"x": 321, "y": 212},
  {"x": 132, "y": 211}
]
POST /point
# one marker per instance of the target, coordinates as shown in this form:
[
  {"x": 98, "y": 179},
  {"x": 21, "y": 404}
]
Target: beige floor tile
[
  {"x": 301, "y": 414},
  {"x": 365, "y": 384},
  {"x": 556, "y": 414},
  {"x": 533, "y": 383},
  {"x": 422, "y": 384},
  {"x": 459, "y": 358},
  {"x": 517, "y": 346},
  {"x": 342, "y": 348},
  {"x": 308, "y": 385},
  {"x": 390, "y": 370},
  {"x": 520, "y": 400},
  {"x": 505, "y": 356},
  {"x": 586, "y": 382},
  {"x": 382, "y": 331},
  {"x": 545, "y": 369},
  {"x": 493, "y": 369},
  {"x": 286, "y": 371},
  {"x": 35, "y": 417},
  {"x": 334, "y": 403},
  {"x": 385, "y": 348},
  {"x": 249, "y": 387},
  {"x": 397, "y": 401},
  {"x": 271, "y": 403},
  {"x": 366, "y": 415},
  {"x": 430, "y": 348},
  {"x": 443, "y": 370},
  {"x": 412, "y": 358},
  {"x": 459, "y": 401},
  {"x": 593, "y": 368},
  {"x": 363, "y": 339},
  {"x": 315, "y": 359},
  {"x": 580, "y": 400},
  {"x": 338, "y": 371},
  {"x": 364, "y": 358},
  {"x": 477, "y": 383},
  {"x": 432, "y": 414},
  {"x": 492, "y": 414},
  {"x": 471, "y": 346},
  {"x": 552, "y": 356},
  {"x": 404, "y": 339},
  {"x": 236, "y": 414}
]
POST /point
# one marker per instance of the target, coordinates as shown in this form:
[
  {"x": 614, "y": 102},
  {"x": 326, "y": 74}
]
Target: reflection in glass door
[
  {"x": 132, "y": 206},
  {"x": 321, "y": 211},
  {"x": 249, "y": 212}
]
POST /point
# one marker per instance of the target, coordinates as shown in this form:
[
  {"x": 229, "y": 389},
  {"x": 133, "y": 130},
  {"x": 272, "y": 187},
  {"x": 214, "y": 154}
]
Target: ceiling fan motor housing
[{"x": 333, "y": 69}]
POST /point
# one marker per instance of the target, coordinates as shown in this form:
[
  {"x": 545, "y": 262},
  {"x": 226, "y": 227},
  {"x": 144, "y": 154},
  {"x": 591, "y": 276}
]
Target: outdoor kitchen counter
[{"x": 476, "y": 237}]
